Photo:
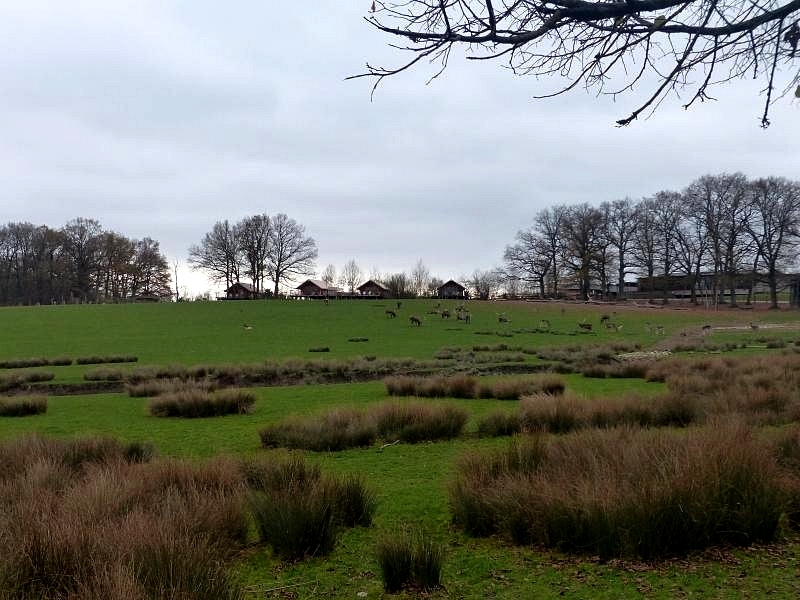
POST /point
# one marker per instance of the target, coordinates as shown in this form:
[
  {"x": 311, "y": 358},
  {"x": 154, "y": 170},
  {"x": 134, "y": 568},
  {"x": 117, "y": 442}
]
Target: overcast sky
[{"x": 161, "y": 118}]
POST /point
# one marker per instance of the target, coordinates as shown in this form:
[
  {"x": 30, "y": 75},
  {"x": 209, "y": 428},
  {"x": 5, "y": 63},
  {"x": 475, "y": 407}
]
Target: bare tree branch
[{"x": 594, "y": 42}]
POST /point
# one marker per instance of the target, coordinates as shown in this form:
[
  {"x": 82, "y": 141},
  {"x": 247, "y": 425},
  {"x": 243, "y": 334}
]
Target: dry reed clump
[
  {"x": 18, "y": 379},
  {"x": 98, "y": 360},
  {"x": 629, "y": 492},
  {"x": 79, "y": 520},
  {"x": 25, "y": 363},
  {"x": 330, "y": 432},
  {"x": 23, "y": 406},
  {"x": 764, "y": 389},
  {"x": 345, "y": 428},
  {"x": 105, "y": 374},
  {"x": 413, "y": 422},
  {"x": 562, "y": 414},
  {"x": 500, "y": 423},
  {"x": 300, "y": 512},
  {"x": 199, "y": 403},
  {"x": 158, "y": 387},
  {"x": 468, "y": 386}
]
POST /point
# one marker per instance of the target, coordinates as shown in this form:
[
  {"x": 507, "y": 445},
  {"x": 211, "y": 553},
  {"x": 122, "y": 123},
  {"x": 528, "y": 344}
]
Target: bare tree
[
  {"x": 218, "y": 254},
  {"x": 420, "y": 276},
  {"x": 529, "y": 260},
  {"x": 672, "y": 46},
  {"x": 583, "y": 237},
  {"x": 667, "y": 208},
  {"x": 775, "y": 226},
  {"x": 151, "y": 276},
  {"x": 253, "y": 239},
  {"x": 722, "y": 202},
  {"x": 484, "y": 283},
  {"x": 351, "y": 275},
  {"x": 291, "y": 252},
  {"x": 329, "y": 275},
  {"x": 81, "y": 245},
  {"x": 399, "y": 285},
  {"x": 691, "y": 241},
  {"x": 620, "y": 219},
  {"x": 645, "y": 250},
  {"x": 549, "y": 225}
]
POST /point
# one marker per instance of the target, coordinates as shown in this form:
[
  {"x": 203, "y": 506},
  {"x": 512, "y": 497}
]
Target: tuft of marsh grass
[
  {"x": 345, "y": 428},
  {"x": 199, "y": 403},
  {"x": 21, "y": 406},
  {"x": 665, "y": 495},
  {"x": 407, "y": 559}
]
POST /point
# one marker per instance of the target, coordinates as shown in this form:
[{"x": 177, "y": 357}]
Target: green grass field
[{"x": 409, "y": 480}]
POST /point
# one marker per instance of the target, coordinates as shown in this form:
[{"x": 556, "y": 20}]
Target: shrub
[{"x": 23, "y": 406}]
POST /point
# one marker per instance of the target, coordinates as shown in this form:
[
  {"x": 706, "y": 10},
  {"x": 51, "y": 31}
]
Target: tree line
[
  {"x": 724, "y": 227},
  {"x": 79, "y": 262},
  {"x": 258, "y": 248}
]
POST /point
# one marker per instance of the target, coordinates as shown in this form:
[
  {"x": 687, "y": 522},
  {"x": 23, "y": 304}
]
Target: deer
[
  {"x": 390, "y": 313},
  {"x": 415, "y": 320}
]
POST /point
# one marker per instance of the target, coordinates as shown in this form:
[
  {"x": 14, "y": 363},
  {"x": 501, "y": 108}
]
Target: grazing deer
[
  {"x": 604, "y": 319},
  {"x": 415, "y": 320},
  {"x": 753, "y": 326},
  {"x": 445, "y": 314},
  {"x": 706, "y": 329},
  {"x": 390, "y": 313},
  {"x": 502, "y": 318},
  {"x": 659, "y": 330}
]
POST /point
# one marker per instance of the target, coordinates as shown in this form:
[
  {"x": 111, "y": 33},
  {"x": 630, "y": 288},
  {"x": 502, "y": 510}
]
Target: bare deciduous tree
[
  {"x": 329, "y": 275},
  {"x": 420, "y": 276},
  {"x": 620, "y": 218},
  {"x": 252, "y": 234},
  {"x": 291, "y": 252},
  {"x": 529, "y": 260},
  {"x": 351, "y": 275},
  {"x": 218, "y": 254},
  {"x": 610, "y": 46},
  {"x": 775, "y": 226}
]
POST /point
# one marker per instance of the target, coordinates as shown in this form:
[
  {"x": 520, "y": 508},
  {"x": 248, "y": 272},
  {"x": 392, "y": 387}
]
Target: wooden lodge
[
  {"x": 452, "y": 290},
  {"x": 373, "y": 289},
  {"x": 241, "y": 291}
]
